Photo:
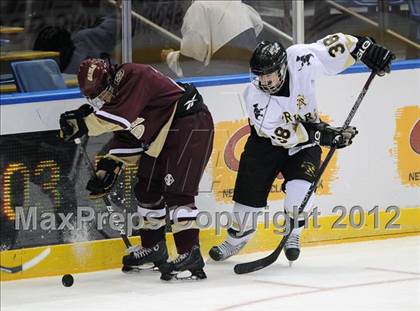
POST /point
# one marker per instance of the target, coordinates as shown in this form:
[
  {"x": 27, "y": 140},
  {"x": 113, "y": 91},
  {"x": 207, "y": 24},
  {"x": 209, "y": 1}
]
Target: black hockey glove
[
  {"x": 376, "y": 57},
  {"x": 72, "y": 124},
  {"x": 326, "y": 135},
  {"x": 107, "y": 172}
]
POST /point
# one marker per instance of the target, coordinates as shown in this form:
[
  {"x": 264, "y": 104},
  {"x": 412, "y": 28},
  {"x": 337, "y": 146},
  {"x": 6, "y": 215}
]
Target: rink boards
[{"x": 379, "y": 175}]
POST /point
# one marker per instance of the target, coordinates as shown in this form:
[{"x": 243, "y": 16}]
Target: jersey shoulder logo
[
  {"x": 191, "y": 102},
  {"x": 137, "y": 128},
  {"x": 305, "y": 60},
  {"x": 257, "y": 111},
  {"x": 118, "y": 76}
]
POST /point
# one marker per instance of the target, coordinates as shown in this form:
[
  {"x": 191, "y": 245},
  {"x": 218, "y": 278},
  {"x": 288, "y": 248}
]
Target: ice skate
[
  {"x": 143, "y": 258},
  {"x": 292, "y": 247},
  {"x": 231, "y": 246},
  {"x": 187, "y": 266},
  {"x": 225, "y": 250}
]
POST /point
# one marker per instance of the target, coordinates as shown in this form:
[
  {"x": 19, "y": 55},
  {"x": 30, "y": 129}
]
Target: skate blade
[
  {"x": 184, "y": 276},
  {"x": 137, "y": 269}
]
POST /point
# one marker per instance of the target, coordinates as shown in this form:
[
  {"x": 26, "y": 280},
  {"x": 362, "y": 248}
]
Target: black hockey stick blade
[
  {"x": 11, "y": 269},
  {"x": 29, "y": 264},
  {"x": 259, "y": 264}
]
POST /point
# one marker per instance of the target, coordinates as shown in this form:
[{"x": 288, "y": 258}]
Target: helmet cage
[
  {"x": 271, "y": 88},
  {"x": 104, "y": 97}
]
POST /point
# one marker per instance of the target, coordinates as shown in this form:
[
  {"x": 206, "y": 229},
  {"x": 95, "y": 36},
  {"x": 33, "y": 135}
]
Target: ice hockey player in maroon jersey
[{"x": 166, "y": 129}]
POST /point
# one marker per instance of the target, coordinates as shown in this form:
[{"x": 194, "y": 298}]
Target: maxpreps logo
[
  {"x": 229, "y": 141},
  {"x": 407, "y": 145}
]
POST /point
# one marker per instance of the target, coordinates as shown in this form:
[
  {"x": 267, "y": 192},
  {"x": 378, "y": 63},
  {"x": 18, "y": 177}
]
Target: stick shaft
[
  {"x": 334, "y": 148},
  {"x": 105, "y": 198}
]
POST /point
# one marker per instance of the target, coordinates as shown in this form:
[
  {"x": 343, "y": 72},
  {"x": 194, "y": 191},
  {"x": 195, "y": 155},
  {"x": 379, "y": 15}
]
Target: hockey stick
[
  {"x": 259, "y": 264},
  {"x": 74, "y": 172},
  {"x": 105, "y": 198},
  {"x": 29, "y": 264}
]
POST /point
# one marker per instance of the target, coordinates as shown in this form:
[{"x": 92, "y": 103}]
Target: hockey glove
[
  {"x": 376, "y": 57},
  {"x": 72, "y": 124},
  {"x": 326, "y": 135},
  {"x": 107, "y": 172}
]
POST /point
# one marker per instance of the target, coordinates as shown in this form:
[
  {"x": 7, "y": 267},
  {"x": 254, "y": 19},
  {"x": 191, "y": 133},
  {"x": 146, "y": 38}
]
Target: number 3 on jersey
[{"x": 334, "y": 48}]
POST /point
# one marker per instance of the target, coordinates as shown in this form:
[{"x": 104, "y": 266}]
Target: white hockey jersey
[{"x": 278, "y": 117}]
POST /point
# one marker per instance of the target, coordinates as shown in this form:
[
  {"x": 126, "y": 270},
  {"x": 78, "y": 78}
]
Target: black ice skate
[
  {"x": 292, "y": 247},
  {"x": 144, "y": 258},
  {"x": 192, "y": 262}
]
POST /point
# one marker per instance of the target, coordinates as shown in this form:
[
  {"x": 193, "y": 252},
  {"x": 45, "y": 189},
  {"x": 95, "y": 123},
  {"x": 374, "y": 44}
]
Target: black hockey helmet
[{"x": 269, "y": 58}]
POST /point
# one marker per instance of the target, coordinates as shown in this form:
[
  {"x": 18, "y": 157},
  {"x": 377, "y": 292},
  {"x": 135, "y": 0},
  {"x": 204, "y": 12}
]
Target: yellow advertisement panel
[{"x": 407, "y": 145}]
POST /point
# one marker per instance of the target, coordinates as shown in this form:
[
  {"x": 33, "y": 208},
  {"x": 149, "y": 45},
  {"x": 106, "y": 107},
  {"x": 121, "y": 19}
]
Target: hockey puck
[{"x": 67, "y": 280}]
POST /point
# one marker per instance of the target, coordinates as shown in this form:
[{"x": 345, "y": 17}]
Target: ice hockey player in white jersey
[{"x": 286, "y": 131}]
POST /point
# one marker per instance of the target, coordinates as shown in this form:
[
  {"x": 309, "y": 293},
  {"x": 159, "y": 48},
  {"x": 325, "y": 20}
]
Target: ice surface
[{"x": 374, "y": 275}]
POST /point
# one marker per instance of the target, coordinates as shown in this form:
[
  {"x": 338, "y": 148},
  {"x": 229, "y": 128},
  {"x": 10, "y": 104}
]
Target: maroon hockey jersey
[
  {"x": 143, "y": 102},
  {"x": 141, "y": 92}
]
